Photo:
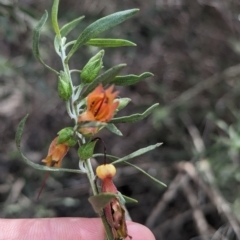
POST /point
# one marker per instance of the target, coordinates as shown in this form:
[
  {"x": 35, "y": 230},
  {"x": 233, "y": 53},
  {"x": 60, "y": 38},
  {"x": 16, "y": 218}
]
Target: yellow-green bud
[
  {"x": 92, "y": 68},
  {"x": 64, "y": 86}
]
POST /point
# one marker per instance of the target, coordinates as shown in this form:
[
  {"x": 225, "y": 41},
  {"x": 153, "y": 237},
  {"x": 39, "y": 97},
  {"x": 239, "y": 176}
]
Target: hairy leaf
[
  {"x": 112, "y": 128},
  {"x": 130, "y": 79},
  {"x": 137, "y": 153},
  {"x": 135, "y": 117},
  {"x": 55, "y": 18},
  {"x": 100, "y": 26},
  {"x": 109, "y": 42},
  {"x": 36, "y": 37},
  {"x": 148, "y": 175},
  {"x": 67, "y": 28}
]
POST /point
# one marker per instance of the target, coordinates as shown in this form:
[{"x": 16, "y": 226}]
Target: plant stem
[
  {"x": 91, "y": 177},
  {"x": 73, "y": 113}
]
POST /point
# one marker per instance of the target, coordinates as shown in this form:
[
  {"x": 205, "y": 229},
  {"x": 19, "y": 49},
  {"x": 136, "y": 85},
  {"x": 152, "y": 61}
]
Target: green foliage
[
  {"x": 92, "y": 68},
  {"x": 123, "y": 102},
  {"x": 148, "y": 175},
  {"x": 109, "y": 43},
  {"x": 104, "y": 79},
  {"x": 67, "y": 28},
  {"x": 64, "y": 86},
  {"x": 55, "y": 18},
  {"x": 125, "y": 199},
  {"x": 65, "y": 134},
  {"x": 135, "y": 117},
  {"x": 99, "y": 201},
  {"x": 130, "y": 79},
  {"x": 100, "y": 26},
  {"x": 36, "y": 37},
  {"x": 18, "y": 138},
  {"x": 112, "y": 128},
  {"x": 137, "y": 153},
  {"x": 85, "y": 151}
]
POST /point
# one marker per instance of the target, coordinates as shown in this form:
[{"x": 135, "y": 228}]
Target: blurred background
[{"x": 193, "y": 49}]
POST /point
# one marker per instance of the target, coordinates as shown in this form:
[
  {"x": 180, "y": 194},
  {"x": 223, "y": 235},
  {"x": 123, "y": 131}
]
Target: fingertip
[{"x": 139, "y": 232}]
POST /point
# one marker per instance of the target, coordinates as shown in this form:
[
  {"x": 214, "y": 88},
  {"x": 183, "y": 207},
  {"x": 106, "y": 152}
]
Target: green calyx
[{"x": 66, "y": 136}]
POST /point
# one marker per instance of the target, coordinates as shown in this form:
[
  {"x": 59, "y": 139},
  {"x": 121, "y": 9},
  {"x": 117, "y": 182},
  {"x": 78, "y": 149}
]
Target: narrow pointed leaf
[
  {"x": 123, "y": 102},
  {"x": 124, "y": 199},
  {"x": 101, "y": 200},
  {"x": 137, "y": 153},
  {"x": 129, "y": 200},
  {"x": 135, "y": 117},
  {"x": 67, "y": 28},
  {"x": 109, "y": 42},
  {"x": 104, "y": 78},
  {"x": 100, "y": 26},
  {"x": 36, "y": 37},
  {"x": 55, "y": 18},
  {"x": 148, "y": 175},
  {"x": 112, "y": 128},
  {"x": 130, "y": 79},
  {"x": 18, "y": 138}
]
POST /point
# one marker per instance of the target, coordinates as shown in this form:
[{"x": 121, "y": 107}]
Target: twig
[
  {"x": 167, "y": 197},
  {"x": 198, "y": 216},
  {"x": 212, "y": 191}
]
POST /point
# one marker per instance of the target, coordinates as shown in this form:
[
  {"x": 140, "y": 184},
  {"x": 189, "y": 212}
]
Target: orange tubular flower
[
  {"x": 100, "y": 107},
  {"x": 56, "y": 153},
  {"x": 114, "y": 211}
]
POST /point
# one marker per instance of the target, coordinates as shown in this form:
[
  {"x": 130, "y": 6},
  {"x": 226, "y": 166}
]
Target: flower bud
[
  {"x": 106, "y": 171},
  {"x": 64, "y": 86},
  {"x": 92, "y": 68}
]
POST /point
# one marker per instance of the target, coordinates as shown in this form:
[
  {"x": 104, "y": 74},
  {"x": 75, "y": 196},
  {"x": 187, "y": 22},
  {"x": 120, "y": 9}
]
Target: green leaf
[
  {"x": 18, "y": 138},
  {"x": 148, "y": 175},
  {"x": 86, "y": 150},
  {"x": 104, "y": 78},
  {"x": 126, "y": 199},
  {"x": 109, "y": 42},
  {"x": 112, "y": 128},
  {"x": 64, "y": 135},
  {"x": 135, "y": 117},
  {"x": 130, "y": 79},
  {"x": 101, "y": 200},
  {"x": 67, "y": 28},
  {"x": 100, "y": 26},
  {"x": 137, "y": 153},
  {"x": 123, "y": 102},
  {"x": 55, "y": 18},
  {"x": 36, "y": 36},
  {"x": 91, "y": 70}
]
